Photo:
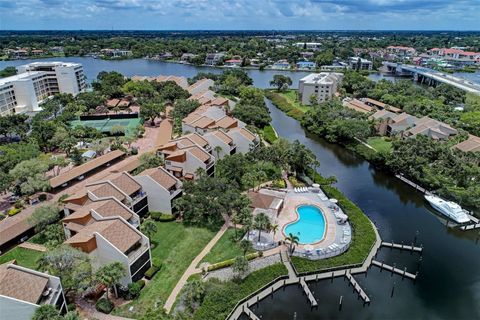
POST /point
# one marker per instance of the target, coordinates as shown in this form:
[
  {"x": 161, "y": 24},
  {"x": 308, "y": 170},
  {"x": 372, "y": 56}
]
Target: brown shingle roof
[
  {"x": 197, "y": 139},
  {"x": 20, "y": 284},
  {"x": 161, "y": 176},
  {"x": 222, "y": 136},
  {"x": 203, "y": 122},
  {"x": 472, "y": 144},
  {"x": 246, "y": 133},
  {"x": 126, "y": 183},
  {"x": 199, "y": 153},
  {"x": 105, "y": 190},
  {"x": 85, "y": 168},
  {"x": 117, "y": 232},
  {"x": 226, "y": 122},
  {"x": 260, "y": 200}
]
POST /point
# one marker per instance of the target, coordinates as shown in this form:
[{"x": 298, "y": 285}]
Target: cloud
[{"x": 246, "y": 14}]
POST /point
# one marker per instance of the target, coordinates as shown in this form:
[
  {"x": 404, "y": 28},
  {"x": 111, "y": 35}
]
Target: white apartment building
[
  {"x": 322, "y": 86},
  {"x": 163, "y": 185},
  {"x": 23, "y": 290},
  {"x": 222, "y": 144},
  {"x": 35, "y": 82},
  {"x": 357, "y": 63},
  {"x": 243, "y": 139}
]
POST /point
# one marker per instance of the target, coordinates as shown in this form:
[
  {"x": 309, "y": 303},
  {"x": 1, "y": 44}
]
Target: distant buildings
[
  {"x": 35, "y": 82},
  {"x": 187, "y": 57},
  {"x": 23, "y": 290},
  {"x": 456, "y": 55},
  {"x": 281, "y": 65},
  {"x": 233, "y": 63},
  {"x": 306, "y": 65},
  {"x": 401, "y": 50},
  {"x": 309, "y": 45},
  {"x": 179, "y": 80},
  {"x": 214, "y": 59},
  {"x": 321, "y": 86},
  {"x": 116, "y": 53},
  {"x": 357, "y": 63}
]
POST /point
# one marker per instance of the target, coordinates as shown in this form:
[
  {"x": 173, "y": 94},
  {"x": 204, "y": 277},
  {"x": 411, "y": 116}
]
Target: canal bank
[{"x": 449, "y": 285}]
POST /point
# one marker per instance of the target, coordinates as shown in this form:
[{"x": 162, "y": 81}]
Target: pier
[
  {"x": 403, "y": 272},
  {"x": 412, "y": 184},
  {"x": 250, "y": 313},
  {"x": 402, "y": 246},
  {"x": 357, "y": 288},
  {"x": 470, "y": 227},
  {"x": 311, "y": 298}
]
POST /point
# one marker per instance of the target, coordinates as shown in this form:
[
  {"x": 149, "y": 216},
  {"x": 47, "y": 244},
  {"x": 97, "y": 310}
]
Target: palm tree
[
  {"x": 245, "y": 245},
  {"x": 149, "y": 228},
  {"x": 45, "y": 312},
  {"x": 293, "y": 241},
  {"x": 274, "y": 228},
  {"x": 110, "y": 274},
  {"x": 218, "y": 149},
  {"x": 262, "y": 222}
]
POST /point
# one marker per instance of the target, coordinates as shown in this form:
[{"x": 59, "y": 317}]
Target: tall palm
[
  {"x": 262, "y": 222},
  {"x": 110, "y": 274},
  {"x": 293, "y": 241},
  {"x": 218, "y": 149},
  {"x": 274, "y": 229}
]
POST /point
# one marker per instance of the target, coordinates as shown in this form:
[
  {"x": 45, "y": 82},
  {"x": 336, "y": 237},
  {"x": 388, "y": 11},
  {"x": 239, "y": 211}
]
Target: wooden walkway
[
  {"x": 311, "y": 298},
  {"x": 33, "y": 246},
  {"x": 402, "y": 246},
  {"x": 357, "y": 288},
  {"x": 470, "y": 226},
  {"x": 412, "y": 184},
  {"x": 403, "y": 272}
]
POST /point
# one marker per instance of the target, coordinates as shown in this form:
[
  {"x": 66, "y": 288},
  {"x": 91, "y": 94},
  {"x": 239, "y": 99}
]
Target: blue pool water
[{"x": 310, "y": 226}]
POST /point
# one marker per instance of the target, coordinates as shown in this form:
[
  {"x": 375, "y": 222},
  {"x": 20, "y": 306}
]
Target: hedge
[
  {"x": 229, "y": 262},
  {"x": 218, "y": 303},
  {"x": 162, "y": 217},
  {"x": 151, "y": 272},
  {"x": 362, "y": 242},
  {"x": 103, "y": 305}
]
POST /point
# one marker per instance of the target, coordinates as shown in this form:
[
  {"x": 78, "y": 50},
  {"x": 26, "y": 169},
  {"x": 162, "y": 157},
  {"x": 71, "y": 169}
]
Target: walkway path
[
  {"x": 192, "y": 268},
  {"x": 88, "y": 311},
  {"x": 33, "y": 246}
]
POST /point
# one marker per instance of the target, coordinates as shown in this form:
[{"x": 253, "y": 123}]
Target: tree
[
  {"x": 194, "y": 293},
  {"x": 274, "y": 228},
  {"x": 7, "y": 72},
  {"x": 262, "y": 222},
  {"x": 240, "y": 267},
  {"x": 117, "y": 130},
  {"x": 110, "y": 274},
  {"x": 29, "y": 176},
  {"x": 46, "y": 312},
  {"x": 43, "y": 216},
  {"x": 281, "y": 82},
  {"x": 71, "y": 265},
  {"x": 149, "y": 228},
  {"x": 293, "y": 241},
  {"x": 325, "y": 58},
  {"x": 151, "y": 110},
  {"x": 148, "y": 160},
  {"x": 217, "y": 150},
  {"x": 245, "y": 245}
]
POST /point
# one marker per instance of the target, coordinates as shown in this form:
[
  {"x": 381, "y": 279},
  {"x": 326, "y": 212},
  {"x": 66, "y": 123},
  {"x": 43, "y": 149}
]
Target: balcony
[
  {"x": 135, "y": 254},
  {"x": 51, "y": 293}
]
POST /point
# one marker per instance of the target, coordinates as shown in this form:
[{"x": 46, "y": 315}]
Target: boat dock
[
  {"x": 311, "y": 298},
  {"x": 402, "y": 246},
  {"x": 412, "y": 184},
  {"x": 250, "y": 313},
  {"x": 470, "y": 227},
  {"x": 357, "y": 288},
  {"x": 403, "y": 272}
]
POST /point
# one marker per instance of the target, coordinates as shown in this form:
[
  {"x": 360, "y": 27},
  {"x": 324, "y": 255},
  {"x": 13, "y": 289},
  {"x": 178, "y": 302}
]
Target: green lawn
[
  {"x": 226, "y": 248},
  {"x": 291, "y": 96},
  {"x": 380, "y": 144},
  {"x": 25, "y": 257},
  {"x": 175, "y": 246},
  {"x": 269, "y": 134},
  {"x": 286, "y": 101}
]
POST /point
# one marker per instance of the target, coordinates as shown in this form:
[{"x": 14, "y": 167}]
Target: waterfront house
[
  {"x": 163, "y": 185},
  {"x": 281, "y": 65},
  {"x": 23, "y": 290},
  {"x": 432, "y": 128},
  {"x": 357, "y": 63},
  {"x": 243, "y": 139},
  {"x": 213, "y": 59},
  {"x": 233, "y": 63},
  {"x": 320, "y": 86},
  {"x": 306, "y": 65},
  {"x": 472, "y": 144},
  {"x": 222, "y": 144}
]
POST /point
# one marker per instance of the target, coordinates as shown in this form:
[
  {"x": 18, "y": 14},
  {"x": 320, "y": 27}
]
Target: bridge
[{"x": 431, "y": 77}]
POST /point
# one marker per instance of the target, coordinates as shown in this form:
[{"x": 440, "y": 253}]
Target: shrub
[
  {"x": 13, "y": 211},
  {"x": 134, "y": 151},
  {"x": 151, "y": 272},
  {"x": 71, "y": 307},
  {"x": 103, "y": 305},
  {"x": 162, "y": 217},
  {"x": 269, "y": 134},
  {"x": 42, "y": 197},
  {"x": 157, "y": 263},
  {"x": 63, "y": 197},
  {"x": 134, "y": 289},
  {"x": 229, "y": 262},
  {"x": 2, "y": 216},
  {"x": 279, "y": 183},
  {"x": 19, "y": 204}
]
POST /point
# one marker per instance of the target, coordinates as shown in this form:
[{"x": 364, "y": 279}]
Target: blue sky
[{"x": 240, "y": 14}]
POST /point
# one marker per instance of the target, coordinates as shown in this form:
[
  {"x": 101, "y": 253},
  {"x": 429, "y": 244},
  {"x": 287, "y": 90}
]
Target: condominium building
[
  {"x": 163, "y": 185},
  {"x": 321, "y": 86},
  {"x": 222, "y": 144},
  {"x": 35, "y": 82},
  {"x": 357, "y": 63},
  {"x": 23, "y": 290}
]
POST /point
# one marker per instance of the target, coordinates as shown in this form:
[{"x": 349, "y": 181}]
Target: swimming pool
[{"x": 310, "y": 226}]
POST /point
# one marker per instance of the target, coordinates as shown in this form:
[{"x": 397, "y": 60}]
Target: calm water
[
  {"x": 310, "y": 226},
  {"x": 449, "y": 284}
]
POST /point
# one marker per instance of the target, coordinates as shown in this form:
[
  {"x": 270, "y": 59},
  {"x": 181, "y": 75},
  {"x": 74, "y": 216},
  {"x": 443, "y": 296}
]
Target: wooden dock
[
  {"x": 473, "y": 218},
  {"x": 412, "y": 184},
  {"x": 470, "y": 226},
  {"x": 311, "y": 298},
  {"x": 357, "y": 288},
  {"x": 402, "y": 246},
  {"x": 403, "y": 273},
  {"x": 250, "y": 313}
]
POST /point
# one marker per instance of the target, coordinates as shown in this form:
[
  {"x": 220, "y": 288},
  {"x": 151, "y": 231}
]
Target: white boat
[{"x": 448, "y": 208}]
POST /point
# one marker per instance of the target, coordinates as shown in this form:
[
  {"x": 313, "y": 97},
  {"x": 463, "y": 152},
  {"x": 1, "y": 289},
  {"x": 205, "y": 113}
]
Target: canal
[{"x": 449, "y": 282}]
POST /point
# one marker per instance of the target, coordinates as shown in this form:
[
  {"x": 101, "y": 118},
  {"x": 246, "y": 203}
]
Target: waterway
[
  {"x": 449, "y": 282},
  {"x": 145, "y": 67}
]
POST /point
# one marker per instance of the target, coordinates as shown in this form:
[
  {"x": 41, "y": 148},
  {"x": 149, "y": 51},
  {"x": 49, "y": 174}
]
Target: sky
[{"x": 240, "y": 15}]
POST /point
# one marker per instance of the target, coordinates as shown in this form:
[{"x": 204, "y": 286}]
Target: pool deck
[{"x": 333, "y": 231}]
